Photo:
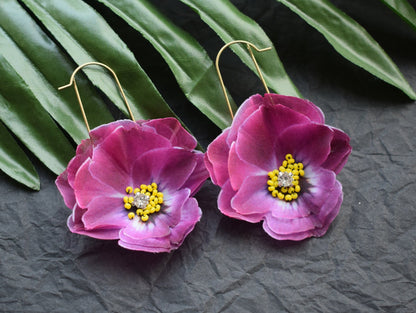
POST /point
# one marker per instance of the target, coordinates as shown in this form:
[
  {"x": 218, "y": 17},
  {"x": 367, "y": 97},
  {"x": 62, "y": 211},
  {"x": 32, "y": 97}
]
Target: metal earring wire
[
  {"x": 249, "y": 45},
  {"x": 72, "y": 81}
]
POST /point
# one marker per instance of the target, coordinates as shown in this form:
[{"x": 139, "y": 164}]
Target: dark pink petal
[
  {"x": 256, "y": 141},
  {"x": 100, "y": 133},
  {"x": 308, "y": 143},
  {"x": 239, "y": 169},
  {"x": 217, "y": 157},
  {"x": 124, "y": 147},
  {"x": 307, "y": 108},
  {"x": 255, "y": 146},
  {"x": 105, "y": 212},
  {"x": 198, "y": 176},
  {"x": 84, "y": 151},
  {"x": 190, "y": 215},
  {"x": 171, "y": 129},
  {"x": 75, "y": 225},
  {"x": 340, "y": 150},
  {"x": 86, "y": 187},
  {"x": 170, "y": 168},
  {"x": 247, "y": 108},
  {"x": 103, "y": 168},
  {"x": 65, "y": 189},
  {"x": 224, "y": 205}
]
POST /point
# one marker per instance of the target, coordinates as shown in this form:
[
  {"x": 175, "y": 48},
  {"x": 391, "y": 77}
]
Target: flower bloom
[
  {"x": 277, "y": 163},
  {"x": 134, "y": 181}
]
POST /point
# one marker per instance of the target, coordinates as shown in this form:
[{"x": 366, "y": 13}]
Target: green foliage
[{"x": 43, "y": 41}]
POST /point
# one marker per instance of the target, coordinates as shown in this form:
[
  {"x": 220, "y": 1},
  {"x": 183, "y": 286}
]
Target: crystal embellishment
[
  {"x": 141, "y": 200},
  {"x": 285, "y": 179}
]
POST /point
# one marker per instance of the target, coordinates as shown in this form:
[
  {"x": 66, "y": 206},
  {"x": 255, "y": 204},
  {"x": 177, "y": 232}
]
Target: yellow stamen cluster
[
  {"x": 283, "y": 183},
  {"x": 146, "y": 199}
]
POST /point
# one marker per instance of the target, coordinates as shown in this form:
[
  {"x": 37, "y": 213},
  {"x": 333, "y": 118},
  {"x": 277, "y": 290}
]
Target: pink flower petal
[
  {"x": 170, "y": 168},
  {"x": 105, "y": 212},
  {"x": 309, "y": 225},
  {"x": 224, "y": 205},
  {"x": 307, "y": 108},
  {"x": 75, "y": 225},
  {"x": 100, "y": 133},
  {"x": 171, "y": 129},
  {"x": 321, "y": 183},
  {"x": 290, "y": 210},
  {"x": 294, "y": 236},
  {"x": 239, "y": 169},
  {"x": 308, "y": 143},
  {"x": 247, "y": 108},
  {"x": 281, "y": 226},
  {"x": 198, "y": 176},
  {"x": 190, "y": 215},
  {"x": 103, "y": 168},
  {"x": 217, "y": 156},
  {"x": 340, "y": 150},
  {"x": 253, "y": 197},
  {"x": 86, "y": 187},
  {"x": 256, "y": 141},
  {"x": 170, "y": 213},
  {"x": 84, "y": 151},
  {"x": 330, "y": 209},
  {"x": 125, "y": 146},
  {"x": 65, "y": 189}
]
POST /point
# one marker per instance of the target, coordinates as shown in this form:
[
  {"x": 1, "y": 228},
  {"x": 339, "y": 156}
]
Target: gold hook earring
[
  {"x": 72, "y": 81},
  {"x": 217, "y": 60}
]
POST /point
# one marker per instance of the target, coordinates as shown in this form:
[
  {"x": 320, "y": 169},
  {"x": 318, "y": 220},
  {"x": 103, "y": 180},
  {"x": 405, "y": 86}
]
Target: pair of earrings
[{"x": 134, "y": 180}]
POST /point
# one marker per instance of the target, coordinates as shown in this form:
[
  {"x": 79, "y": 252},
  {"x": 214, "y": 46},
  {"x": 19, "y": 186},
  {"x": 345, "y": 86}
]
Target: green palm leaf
[
  {"x": 15, "y": 163},
  {"x": 86, "y": 36},
  {"x": 42, "y": 65},
  {"x": 230, "y": 24},
  {"x": 403, "y": 9},
  {"x": 188, "y": 61},
  {"x": 21, "y": 111},
  {"x": 350, "y": 40}
]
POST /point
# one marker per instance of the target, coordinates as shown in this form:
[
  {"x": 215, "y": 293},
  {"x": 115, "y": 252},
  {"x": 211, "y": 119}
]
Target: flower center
[
  {"x": 146, "y": 199},
  {"x": 283, "y": 183}
]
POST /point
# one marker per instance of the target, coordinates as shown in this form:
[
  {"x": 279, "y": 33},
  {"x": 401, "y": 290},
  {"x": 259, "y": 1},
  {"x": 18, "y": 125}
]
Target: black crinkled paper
[{"x": 365, "y": 263}]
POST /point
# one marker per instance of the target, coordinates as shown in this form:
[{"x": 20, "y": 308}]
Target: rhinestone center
[
  {"x": 145, "y": 200},
  {"x": 283, "y": 183},
  {"x": 285, "y": 179},
  {"x": 141, "y": 200}
]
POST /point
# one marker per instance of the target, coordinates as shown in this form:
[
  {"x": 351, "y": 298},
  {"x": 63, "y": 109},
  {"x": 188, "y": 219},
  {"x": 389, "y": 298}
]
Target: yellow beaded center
[
  {"x": 146, "y": 200},
  {"x": 283, "y": 183}
]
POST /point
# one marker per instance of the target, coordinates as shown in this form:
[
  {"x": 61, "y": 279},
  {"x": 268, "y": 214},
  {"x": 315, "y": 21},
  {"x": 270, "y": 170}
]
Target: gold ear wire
[
  {"x": 249, "y": 45},
  {"x": 73, "y": 81}
]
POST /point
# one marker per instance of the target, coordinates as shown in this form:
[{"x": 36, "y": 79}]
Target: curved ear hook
[
  {"x": 249, "y": 45},
  {"x": 73, "y": 81}
]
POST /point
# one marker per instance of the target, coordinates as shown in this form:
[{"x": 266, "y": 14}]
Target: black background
[{"x": 365, "y": 262}]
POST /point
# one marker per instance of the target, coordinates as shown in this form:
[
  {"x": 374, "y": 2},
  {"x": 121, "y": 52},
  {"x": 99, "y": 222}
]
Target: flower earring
[
  {"x": 134, "y": 181},
  {"x": 277, "y": 163}
]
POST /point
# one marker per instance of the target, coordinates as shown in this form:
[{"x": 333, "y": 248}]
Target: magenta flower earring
[
  {"x": 277, "y": 163},
  {"x": 134, "y": 181}
]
